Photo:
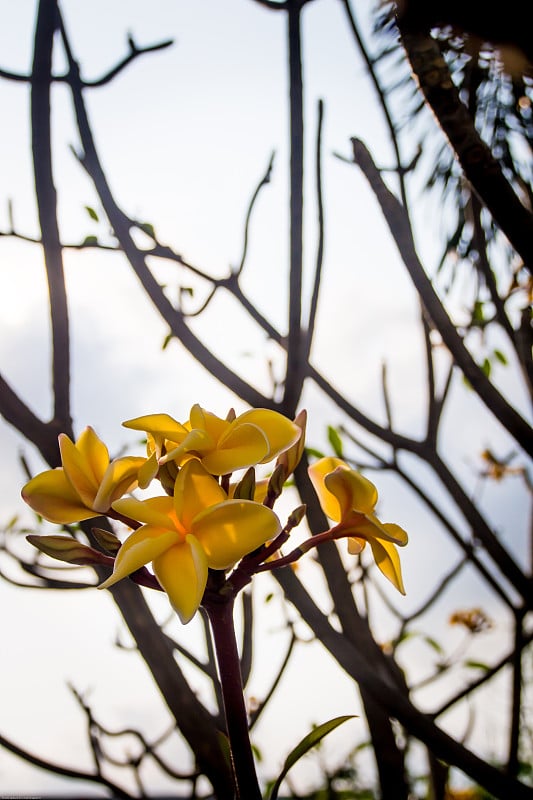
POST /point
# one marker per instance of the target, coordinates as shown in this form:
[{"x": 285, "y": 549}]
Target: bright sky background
[{"x": 185, "y": 135}]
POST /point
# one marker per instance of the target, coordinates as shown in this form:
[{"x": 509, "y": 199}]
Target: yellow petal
[
  {"x": 120, "y": 477},
  {"x": 352, "y": 490},
  {"x": 230, "y": 530},
  {"x": 149, "y": 470},
  {"x": 204, "y": 420},
  {"x": 317, "y": 473},
  {"x": 94, "y": 452},
  {"x": 369, "y": 527},
  {"x": 84, "y": 463},
  {"x": 194, "y": 491},
  {"x": 142, "y": 546},
  {"x": 182, "y": 572},
  {"x": 158, "y": 511},
  {"x": 241, "y": 446},
  {"x": 281, "y": 432},
  {"x": 394, "y": 533},
  {"x": 51, "y": 495},
  {"x": 355, "y": 545},
  {"x": 196, "y": 441},
  {"x": 162, "y": 426},
  {"x": 388, "y": 561}
]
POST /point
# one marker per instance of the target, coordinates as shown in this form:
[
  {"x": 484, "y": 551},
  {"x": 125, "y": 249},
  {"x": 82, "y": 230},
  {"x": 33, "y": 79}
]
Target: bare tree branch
[{"x": 41, "y": 81}]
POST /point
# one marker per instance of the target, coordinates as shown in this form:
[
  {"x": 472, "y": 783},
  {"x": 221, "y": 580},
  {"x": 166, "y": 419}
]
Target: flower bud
[
  {"x": 167, "y": 475},
  {"x": 106, "y": 540},
  {"x": 291, "y": 457},
  {"x": 66, "y": 548},
  {"x": 296, "y": 516},
  {"x": 245, "y": 489},
  {"x": 275, "y": 485}
]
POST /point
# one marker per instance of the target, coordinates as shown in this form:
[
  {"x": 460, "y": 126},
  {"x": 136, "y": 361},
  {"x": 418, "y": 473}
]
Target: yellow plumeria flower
[
  {"x": 223, "y": 446},
  {"x": 185, "y": 535},
  {"x": 85, "y": 485},
  {"x": 349, "y": 499}
]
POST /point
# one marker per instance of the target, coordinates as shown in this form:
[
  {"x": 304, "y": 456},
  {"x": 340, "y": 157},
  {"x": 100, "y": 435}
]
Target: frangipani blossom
[
  {"x": 223, "y": 446},
  {"x": 85, "y": 485},
  {"x": 349, "y": 499},
  {"x": 185, "y": 535}
]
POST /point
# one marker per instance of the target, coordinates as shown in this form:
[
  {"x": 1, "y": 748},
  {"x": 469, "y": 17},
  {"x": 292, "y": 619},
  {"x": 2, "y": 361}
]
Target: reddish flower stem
[{"x": 219, "y": 609}]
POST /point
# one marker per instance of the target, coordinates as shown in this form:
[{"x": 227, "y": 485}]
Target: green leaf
[
  {"x": 92, "y": 213},
  {"x": 501, "y": 357},
  {"x": 335, "y": 441},
  {"x": 89, "y": 241},
  {"x": 433, "y": 643},
  {"x": 311, "y": 451},
  {"x": 168, "y": 338},
  {"x": 147, "y": 228},
  {"x": 476, "y": 665},
  {"x": 486, "y": 367},
  {"x": 478, "y": 315},
  {"x": 306, "y": 744}
]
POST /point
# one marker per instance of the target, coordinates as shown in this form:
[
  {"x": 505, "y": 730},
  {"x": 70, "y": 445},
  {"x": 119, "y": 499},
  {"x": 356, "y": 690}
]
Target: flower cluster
[{"x": 203, "y": 521}]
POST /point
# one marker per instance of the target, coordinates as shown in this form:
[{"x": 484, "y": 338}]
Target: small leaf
[
  {"x": 476, "y": 665},
  {"x": 405, "y": 635},
  {"x": 167, "y": 340},
  {"x": 486, "y": 367},
  {"x": 306, "y": 744},
  {"x": 335, "y": 441},
  {"x": 433, "y": 643},
  {"x": 501, "y": 357},
  {"x": 65, "y": 548},
  {"x": 89, "y": 241},
  {"x": 478, "y": 315},
  {"x": 92, "y": 213},
  {"x": 147, "y": 228},
  {"x": 311, "y": 451},
  {"x": 258, "y": 755}
]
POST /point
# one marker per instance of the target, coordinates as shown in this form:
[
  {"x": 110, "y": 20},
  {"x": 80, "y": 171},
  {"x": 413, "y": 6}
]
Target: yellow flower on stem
[
  {"x": 223, "y": 446},
  {"x": 85, "y": 485},
  {"x": 185, "y": 535},
  {"x": 349, "y": 499}
]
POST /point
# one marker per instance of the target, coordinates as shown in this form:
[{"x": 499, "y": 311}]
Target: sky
[{"x": 185, "y": 134}]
